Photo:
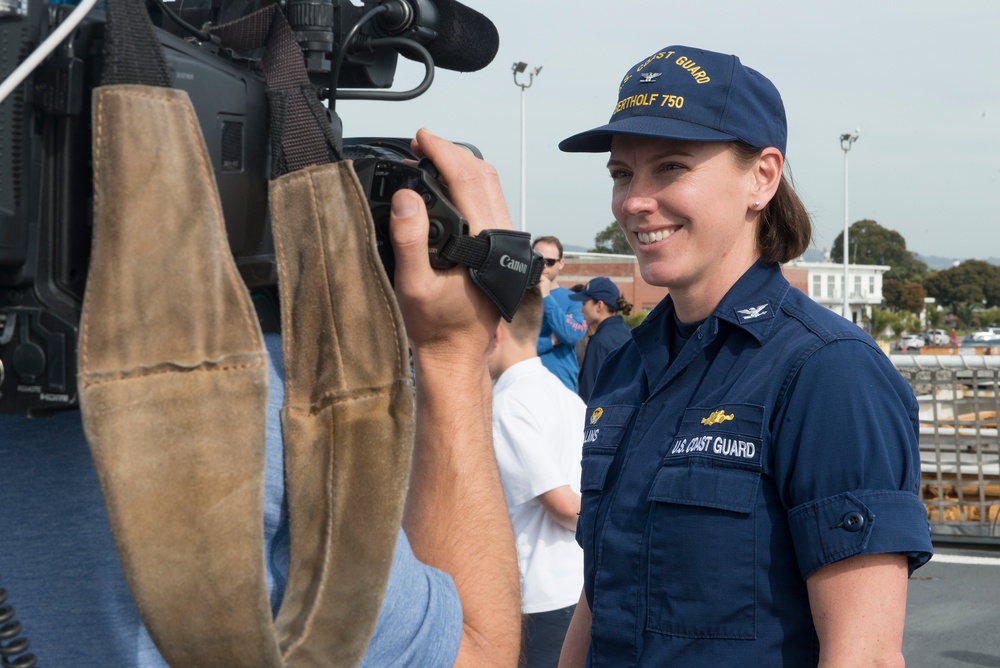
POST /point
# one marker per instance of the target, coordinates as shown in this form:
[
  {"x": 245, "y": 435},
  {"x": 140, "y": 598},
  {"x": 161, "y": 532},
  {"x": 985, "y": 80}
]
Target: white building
[{"x": 824, "y": 283}]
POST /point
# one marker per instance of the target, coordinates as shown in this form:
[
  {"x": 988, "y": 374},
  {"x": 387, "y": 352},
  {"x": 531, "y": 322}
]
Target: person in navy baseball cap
[
  {"x": 603, "y": 308},
  {"x": 751, "y": 464},
  {"x": 600, "y": 289},
  {"x": 684, "y": 93}
]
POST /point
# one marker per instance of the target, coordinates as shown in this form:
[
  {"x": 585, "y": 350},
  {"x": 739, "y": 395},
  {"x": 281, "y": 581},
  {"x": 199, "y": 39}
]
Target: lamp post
[
  {"x": 519, "y": 68},
  {"x": 846, "y": 141}
]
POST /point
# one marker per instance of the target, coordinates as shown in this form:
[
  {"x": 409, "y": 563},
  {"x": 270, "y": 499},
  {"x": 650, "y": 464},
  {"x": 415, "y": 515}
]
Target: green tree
[
  {"x": 988, "y": 318},
  {"x": 635, "y": 319},
  {"x": 935, "y": 317},
  {"x": 873, "y": 244},
  {"x": 972, "y": 281},
  {"x": 891, "y": 291},
  {"x": 880, "y": 322},
  {"x": 611, "y": 240},
  {"x": 965, "y": 314}
]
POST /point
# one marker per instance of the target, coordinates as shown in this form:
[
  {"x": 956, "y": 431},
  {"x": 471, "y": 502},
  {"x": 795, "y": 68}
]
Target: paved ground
[{"x": 953, "y": 611}]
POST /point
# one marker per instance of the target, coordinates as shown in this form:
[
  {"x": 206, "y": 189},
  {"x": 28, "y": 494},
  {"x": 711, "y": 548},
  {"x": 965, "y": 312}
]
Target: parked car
[
  {"x": 907, "y": 341},
  {"x": 937, "y": 337},
  {"x": 982, "y": 338}
]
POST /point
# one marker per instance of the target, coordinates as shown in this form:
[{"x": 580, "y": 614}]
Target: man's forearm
[{"x": 455, "y": 518}]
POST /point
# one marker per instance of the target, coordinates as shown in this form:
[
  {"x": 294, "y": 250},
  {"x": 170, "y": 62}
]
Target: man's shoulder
[
  {"x": 534, "y": 389},
  {"x": 562, "y": 294}
]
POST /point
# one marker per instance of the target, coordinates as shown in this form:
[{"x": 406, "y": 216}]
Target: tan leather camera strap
[{"x": 173, "y": 378}]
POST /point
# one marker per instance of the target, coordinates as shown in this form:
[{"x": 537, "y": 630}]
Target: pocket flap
[{"x": 706, "y": 486}]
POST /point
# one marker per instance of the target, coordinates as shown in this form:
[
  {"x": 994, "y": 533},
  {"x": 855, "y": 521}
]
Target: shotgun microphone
[{"x": 457, "y": 37}]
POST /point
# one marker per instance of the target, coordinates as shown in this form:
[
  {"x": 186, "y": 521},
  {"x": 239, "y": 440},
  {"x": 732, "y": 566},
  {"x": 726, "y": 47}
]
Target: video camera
[{"x": 350, "y": 52}]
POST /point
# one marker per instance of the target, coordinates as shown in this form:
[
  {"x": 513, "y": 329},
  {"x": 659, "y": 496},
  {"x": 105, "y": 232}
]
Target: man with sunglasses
[{"x": 562, "y": 323}]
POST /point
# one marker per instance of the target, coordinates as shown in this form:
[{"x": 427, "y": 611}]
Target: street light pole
[
  {"x": 519, "y": 68},
  {"x": 846, "y": 141}
]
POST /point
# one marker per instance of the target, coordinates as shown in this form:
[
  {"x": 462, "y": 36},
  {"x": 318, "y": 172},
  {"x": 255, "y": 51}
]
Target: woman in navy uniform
[
  {"x": 750, "y": 463},
  {"x": 603, "y": 307}
]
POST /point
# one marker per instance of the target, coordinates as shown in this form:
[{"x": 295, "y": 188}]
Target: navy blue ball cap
[
  {"x": 682, "y": 92},
  {"x": 601, "y": 289}
]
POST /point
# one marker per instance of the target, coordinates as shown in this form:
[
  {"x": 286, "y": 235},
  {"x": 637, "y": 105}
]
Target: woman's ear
[{"x": 767, "y": 174}]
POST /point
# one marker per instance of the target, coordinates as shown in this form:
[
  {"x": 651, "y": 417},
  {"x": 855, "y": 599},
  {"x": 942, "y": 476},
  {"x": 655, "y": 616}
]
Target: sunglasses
[{"x": 550, "y": 262}]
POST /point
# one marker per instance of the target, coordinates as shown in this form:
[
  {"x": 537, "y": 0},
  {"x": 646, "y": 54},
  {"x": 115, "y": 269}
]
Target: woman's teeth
[{"x": 652, "y": 237}]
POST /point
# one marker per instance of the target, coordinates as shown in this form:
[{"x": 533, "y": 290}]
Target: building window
[
  {"x": 857, "y": 286},
  {"x": 831, "y": 286},
  {"x": 817, "y": 287},
  {"x": 871, "y": 285}
]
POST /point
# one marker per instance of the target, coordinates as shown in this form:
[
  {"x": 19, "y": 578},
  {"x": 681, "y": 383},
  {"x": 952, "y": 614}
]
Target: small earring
[{"x": 756, "y": 204}]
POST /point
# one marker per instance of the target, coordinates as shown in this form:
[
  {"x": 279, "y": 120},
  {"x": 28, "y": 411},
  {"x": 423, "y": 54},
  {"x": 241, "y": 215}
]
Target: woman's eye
[{"x": 618, "y": 174}]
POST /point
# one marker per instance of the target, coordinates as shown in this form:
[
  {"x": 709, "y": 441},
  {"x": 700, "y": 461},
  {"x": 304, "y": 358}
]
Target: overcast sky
[{"x": 921, "y": 79}]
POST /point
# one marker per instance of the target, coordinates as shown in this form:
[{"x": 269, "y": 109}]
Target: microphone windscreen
[{"x": 467, "y": 41}]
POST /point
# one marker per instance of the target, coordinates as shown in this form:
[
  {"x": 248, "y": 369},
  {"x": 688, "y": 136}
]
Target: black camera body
[
  {"x": 46, "y": 197},
  {"x": 381, "y": 177}
]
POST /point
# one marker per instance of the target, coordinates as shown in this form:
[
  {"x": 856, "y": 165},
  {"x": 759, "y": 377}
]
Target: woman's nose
[{"x": 638, "y": 199}]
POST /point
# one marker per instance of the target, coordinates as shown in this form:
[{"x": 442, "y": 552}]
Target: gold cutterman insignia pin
[
  {"x": 596, "y": 415},
  {"x": 718, "y": 417}
]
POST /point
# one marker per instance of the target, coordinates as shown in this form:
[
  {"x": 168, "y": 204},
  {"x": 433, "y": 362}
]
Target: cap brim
[
  {"x": 598, "y": 140},
  {"x": 579, "y": 297}
]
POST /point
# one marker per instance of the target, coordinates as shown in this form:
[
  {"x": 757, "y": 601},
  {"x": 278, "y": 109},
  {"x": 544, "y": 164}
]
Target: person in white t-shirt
[{"x": 538, "y": 437}]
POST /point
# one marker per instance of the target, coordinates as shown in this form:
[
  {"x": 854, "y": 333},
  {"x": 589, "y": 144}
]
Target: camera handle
[{"x": 501, "y": 264}]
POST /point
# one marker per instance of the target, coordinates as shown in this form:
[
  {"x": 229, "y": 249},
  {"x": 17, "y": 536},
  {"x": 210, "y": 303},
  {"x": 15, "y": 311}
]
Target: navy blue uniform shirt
[
  {"x": 609, "y": 335},
  {"x": 779, "y": 441}
]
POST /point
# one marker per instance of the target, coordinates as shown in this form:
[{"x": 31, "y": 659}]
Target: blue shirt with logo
[
  {"x": 563, "y": 318},
  {"x": 780, "y": 440}
]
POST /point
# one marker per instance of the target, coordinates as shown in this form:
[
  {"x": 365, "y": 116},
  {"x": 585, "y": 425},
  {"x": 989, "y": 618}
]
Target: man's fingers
[
  {"x": 473, "y": 185},
  {"x": 408, "y": 229}
]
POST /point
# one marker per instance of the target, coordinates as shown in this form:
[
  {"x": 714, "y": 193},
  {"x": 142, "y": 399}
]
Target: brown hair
[
  {"x": 549, "y": 240},
  {"x": 784, "y": 230},
  {"x": 527, "y": 321},
  {"x": 623, "y": 305}
]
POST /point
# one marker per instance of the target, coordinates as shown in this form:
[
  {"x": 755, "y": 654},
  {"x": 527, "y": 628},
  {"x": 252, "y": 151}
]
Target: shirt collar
[
  {"x": 517, "y": 370},
  {"x": 753, "y": 301},
  {"x": 751, "y": 304}
]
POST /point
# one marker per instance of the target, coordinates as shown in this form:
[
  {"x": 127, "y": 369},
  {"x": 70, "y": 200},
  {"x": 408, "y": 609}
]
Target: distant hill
[
  {"x": 937, "y": 262},
  {"x": 932, "y": 261},
  {"x": 816, "y": 255}
]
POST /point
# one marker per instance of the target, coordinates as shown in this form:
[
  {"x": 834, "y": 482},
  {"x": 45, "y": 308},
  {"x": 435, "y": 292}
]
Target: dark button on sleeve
[{"x": 853, "y": 521}]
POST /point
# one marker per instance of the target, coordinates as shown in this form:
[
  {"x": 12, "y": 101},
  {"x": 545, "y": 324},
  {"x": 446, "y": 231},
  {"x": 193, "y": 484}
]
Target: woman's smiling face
[{"x": 687, "y": 211}]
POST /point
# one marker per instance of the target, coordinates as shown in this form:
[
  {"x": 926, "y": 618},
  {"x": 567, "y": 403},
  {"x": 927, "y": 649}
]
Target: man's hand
[
  {"x": 442, "y": 309},
  {"x": 455, "y": 516},
  {"x": 545, "y": 285}
]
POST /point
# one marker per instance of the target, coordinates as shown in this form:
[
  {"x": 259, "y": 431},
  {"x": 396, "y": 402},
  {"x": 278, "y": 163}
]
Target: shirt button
[{"x": 853, "y": 521}]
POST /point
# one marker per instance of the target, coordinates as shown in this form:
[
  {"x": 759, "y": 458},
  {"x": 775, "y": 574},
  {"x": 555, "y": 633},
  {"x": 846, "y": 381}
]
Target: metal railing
[{"x": 959, "y": 399}]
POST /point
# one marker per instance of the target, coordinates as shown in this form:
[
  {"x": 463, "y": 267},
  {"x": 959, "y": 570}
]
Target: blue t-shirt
[
  {"x": 59, "y": 564},
  {"x": 778, "y": 441},
  {"x": 562, "y": 317}
]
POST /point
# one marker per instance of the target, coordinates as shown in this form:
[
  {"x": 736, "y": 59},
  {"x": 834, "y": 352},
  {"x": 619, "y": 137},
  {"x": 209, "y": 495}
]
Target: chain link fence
[{"x": 959, "y": 398}]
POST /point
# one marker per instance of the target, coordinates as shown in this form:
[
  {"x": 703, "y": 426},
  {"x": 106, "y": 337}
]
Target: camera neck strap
[
  {"x": 301, "y": 134},
  {"x": 173, "y": 386}
]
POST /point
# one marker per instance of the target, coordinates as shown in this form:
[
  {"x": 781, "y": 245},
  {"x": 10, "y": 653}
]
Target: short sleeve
[
  {"x": 420, "y": 623},
  {"x": 846, "y": 459},
  {"x": 524, "y": 454}
]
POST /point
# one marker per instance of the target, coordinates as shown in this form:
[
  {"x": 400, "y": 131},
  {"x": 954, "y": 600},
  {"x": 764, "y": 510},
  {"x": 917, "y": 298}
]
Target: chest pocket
[
  {"x": 703, "y": 538},
  {"x": 603, "y": 432}
]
